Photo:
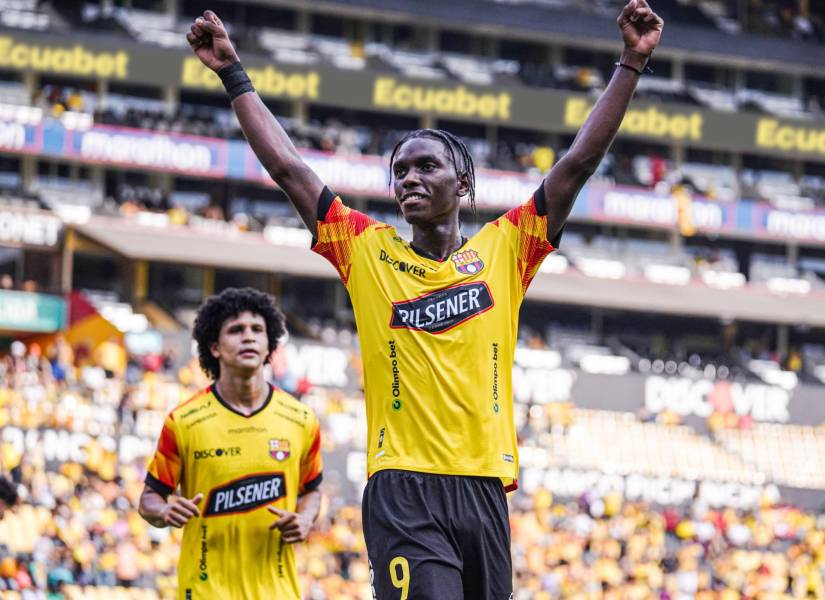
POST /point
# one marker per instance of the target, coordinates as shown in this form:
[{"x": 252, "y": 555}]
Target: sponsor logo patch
[
  {"x": 467, "y": 262},
  {"x": 279, "y": 449},
  {"x": 401, "y": 266},
  {"x": 217, "y": 452},
  {"x": 202, "y": 563},
  {"x": 442, "y": 310},
  {"x": 243, "y": 495}
]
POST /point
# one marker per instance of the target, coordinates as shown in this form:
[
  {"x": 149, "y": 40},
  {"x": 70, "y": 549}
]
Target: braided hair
[{"x": 459, "y": 155}]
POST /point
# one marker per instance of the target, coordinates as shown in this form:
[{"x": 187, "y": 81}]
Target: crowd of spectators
[
  {"x": 784, "y": 18},
  {"x": 75, "y": 529}
]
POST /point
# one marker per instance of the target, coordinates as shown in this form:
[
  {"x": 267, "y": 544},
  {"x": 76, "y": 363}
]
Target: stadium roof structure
[
  {"x": 186, "y": 246},
  {"x": 639, "y": 295},
  {"x": 574, "y": 27},
  {"x": 253, "y": 252}
]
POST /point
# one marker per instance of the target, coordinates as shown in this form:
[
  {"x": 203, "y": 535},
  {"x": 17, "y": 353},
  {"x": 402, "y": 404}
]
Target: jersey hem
[{"x": 433, "y": 471}]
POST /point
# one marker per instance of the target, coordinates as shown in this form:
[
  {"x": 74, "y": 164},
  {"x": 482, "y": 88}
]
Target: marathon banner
[
  {"x": 745, "y": 218},
  {"x": 110, "y": 58},
  {"x": 369, "y": 176},
  {"x": 636, "y": 206}
]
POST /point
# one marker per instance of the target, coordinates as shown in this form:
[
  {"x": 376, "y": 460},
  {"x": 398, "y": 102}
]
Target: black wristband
[
  {"x": 647, "y": 69},
  {"x": 235, "y": 80}
]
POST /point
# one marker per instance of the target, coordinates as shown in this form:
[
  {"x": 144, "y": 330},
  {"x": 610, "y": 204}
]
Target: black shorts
[{"x": 437, "y": 537}]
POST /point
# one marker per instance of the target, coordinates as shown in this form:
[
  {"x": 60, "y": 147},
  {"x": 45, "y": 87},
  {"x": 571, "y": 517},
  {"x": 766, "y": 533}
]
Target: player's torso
[
  {"x": 241, "y": 465},
  {"x": 437, "y": 340}
]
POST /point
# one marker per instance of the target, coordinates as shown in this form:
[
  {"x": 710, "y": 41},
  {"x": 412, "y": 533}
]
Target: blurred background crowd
[
  {"x": 79, "y": 426},
  {"x": 689, "y": 283}
]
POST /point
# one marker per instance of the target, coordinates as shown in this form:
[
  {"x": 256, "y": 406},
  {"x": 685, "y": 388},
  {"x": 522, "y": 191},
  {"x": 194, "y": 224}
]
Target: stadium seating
[
  {"x": 787, "y": 454},
  {"x": 648, "y": 470}
]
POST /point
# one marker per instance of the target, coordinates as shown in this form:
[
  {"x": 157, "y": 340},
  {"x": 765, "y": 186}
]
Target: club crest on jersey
[
  {"x": 467, "y": 262},
  {"x": 279, "y": 449}
]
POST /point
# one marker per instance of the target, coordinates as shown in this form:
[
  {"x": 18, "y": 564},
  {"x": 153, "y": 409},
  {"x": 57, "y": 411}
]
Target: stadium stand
[{"x": 671, "y": 365}]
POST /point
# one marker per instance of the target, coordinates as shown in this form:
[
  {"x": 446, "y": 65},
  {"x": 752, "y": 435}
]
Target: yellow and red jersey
[
  {"x": 241, "y": 464},
  {"x": 437, "y": 338}
]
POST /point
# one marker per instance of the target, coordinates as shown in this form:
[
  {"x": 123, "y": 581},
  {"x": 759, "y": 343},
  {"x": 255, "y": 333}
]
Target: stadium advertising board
[
  {"x": 698, "y": 398},
  {"x": 24, "y": 311},
  {"x": 643, "y": 207},
  {"x": 62, "y": 56},
  {"x": 28, "y": 228},
  {"x": 540, "y": 378},
  {"x": 318, "y": 365},
  {"x": 784, "y": 225},
  {"x": 663, "y": 491},
  {"x": 703, "y": 397},
  {"x": 108, "y": 58},
  {"x": 58, "y": 446},
  {"x": 652, "y": 121},
  {"x": 268, "y": 79},
  {"x": 369, "y": 176},
  {"x": 636, "y": 206},
  {"x": 156, "y": 151},
  {"x": 571, "y": 483}
]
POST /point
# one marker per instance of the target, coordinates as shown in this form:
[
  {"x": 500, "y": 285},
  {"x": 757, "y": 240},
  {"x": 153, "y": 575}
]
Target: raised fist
[
  {"x": 641, "y": 27},
  {"x": 210, "y": 42}
]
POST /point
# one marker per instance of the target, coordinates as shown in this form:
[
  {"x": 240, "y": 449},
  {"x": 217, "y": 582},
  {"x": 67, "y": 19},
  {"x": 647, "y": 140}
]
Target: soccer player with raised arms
[
  {"x": 437, "y": 319},
  {"x": 246, "y": 458}
]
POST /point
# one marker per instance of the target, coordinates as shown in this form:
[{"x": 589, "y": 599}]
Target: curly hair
[
  {"x": 230, "y": 303},
  {"x": 459, "y": 155}
]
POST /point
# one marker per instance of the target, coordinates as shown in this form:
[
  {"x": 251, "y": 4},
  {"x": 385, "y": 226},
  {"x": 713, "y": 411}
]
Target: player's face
[
  {"x": 242, "y": 345},
  {"x": 425, "y": 182}
]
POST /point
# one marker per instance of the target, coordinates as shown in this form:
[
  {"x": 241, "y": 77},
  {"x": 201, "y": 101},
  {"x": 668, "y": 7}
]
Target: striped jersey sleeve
[
  {"x": 339, "y": 228},
  {"x": 164, "y": 471},
  {"x": 526, "y": 226},
  {"x": 312, "y": 464}
]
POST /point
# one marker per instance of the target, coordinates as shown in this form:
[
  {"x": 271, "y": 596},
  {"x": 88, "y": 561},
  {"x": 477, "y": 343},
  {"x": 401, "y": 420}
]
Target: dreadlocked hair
[
  {"x": 459, "y": 155},
  {"x": 229, "y": 304}
]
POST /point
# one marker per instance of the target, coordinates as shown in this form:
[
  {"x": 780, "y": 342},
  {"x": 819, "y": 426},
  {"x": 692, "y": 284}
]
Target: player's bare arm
[
  {"x": 295, "y": 526},
  {"x": 270, "y": 143},
  {"x": 172, "y": 511},
  {"x": 641, "y": 29}
]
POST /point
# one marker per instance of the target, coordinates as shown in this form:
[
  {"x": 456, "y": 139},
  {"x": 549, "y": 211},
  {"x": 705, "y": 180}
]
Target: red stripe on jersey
[
  {"x": 532, "y": 239},
  {"x": 167, "y": 444},
  {"x": 312, "y": 464},
  {"x": 336, "y": 234}
]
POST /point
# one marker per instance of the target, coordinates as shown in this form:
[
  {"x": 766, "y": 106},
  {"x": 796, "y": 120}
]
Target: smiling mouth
[{"x": 413, "y": 196}]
